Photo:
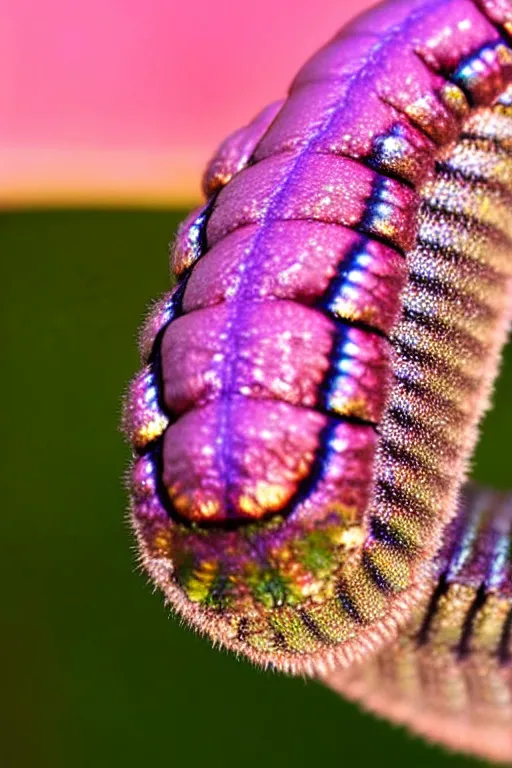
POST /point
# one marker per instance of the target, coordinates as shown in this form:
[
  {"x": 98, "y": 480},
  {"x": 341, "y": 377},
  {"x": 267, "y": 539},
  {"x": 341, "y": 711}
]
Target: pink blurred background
[{"x": 123, "y": 101}]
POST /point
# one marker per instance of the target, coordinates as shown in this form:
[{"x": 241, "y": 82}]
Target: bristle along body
[{"x": 449, "y": 675}]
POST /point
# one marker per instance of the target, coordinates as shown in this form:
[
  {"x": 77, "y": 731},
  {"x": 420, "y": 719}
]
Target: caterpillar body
[{"x": 312, "y": 386}]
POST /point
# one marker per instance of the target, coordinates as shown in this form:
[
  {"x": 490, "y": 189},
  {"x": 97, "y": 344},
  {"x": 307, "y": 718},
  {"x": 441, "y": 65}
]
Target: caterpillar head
[{"x": 255, "y": 536}]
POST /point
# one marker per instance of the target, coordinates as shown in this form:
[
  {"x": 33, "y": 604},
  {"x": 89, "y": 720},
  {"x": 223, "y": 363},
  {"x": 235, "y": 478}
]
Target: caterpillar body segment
[
  {"x": 449, "y": 674},
  {"x": 312, "y": 387}
]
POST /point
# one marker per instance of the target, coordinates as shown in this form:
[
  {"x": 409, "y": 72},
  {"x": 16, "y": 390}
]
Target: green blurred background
[{"x": 95, "y": 671}]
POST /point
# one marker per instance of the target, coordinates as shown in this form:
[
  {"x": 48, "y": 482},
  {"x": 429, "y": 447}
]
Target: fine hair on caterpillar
[{"x": 312, "y": 386}]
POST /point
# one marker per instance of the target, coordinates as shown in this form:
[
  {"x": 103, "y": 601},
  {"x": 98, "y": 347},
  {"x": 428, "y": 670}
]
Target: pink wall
[{"x": 124, "y": 100}]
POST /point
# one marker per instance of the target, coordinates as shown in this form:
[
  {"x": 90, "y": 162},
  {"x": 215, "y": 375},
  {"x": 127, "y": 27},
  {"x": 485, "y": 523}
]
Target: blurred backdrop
[
  {"x": 124, "y": 100},
  {"x": 96, "y": 673}
]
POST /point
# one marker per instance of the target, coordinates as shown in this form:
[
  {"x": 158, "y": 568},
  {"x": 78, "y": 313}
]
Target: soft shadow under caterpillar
[{"x": 312, "y": 386}]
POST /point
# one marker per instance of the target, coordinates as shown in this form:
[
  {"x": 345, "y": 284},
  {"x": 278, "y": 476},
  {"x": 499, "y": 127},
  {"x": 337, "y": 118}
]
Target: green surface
[{"x": 95, "y": 671}]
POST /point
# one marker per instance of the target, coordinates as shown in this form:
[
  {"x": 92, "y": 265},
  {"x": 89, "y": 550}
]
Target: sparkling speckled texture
[
  {"x": 312, "y": 387},
  {"x": 449, "y": 675}
]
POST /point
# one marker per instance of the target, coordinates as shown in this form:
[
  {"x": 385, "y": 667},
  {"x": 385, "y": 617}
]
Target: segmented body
[
  {"x": 313, "y": 384},
  {"x": 449, "y": 674}
]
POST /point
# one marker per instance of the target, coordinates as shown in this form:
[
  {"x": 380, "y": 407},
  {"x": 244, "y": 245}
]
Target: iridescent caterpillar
[{"x": 313, "y": 384}]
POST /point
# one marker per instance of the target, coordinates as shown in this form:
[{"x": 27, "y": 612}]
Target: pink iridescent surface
[
  {"x": 312, "y": 386},
  {"x": 305, "y": 173}
]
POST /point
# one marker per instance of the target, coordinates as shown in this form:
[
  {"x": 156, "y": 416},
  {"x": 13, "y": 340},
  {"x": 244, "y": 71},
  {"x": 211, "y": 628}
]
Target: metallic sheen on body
[{"x": 312, "y": 387}]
